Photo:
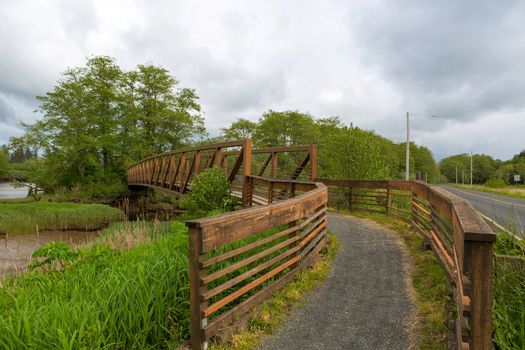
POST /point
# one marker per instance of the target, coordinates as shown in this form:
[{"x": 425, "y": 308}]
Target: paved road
[
  {"x": 507, "y": 211},
  {"x": 365, "y": 302}
]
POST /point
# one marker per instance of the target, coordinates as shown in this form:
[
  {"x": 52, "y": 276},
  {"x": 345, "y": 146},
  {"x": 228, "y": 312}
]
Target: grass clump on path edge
[
  {"x": 117, "y": 299},
  {"x": 272, "y": 312},
  {"x": 429, "y": 281}
]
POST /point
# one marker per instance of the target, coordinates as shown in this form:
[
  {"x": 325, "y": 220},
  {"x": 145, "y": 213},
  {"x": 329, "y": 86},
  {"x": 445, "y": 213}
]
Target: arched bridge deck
[{"x": 239, "y": 259}]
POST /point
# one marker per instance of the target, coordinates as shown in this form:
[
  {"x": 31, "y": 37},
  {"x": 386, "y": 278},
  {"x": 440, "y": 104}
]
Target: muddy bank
[{"x": 15, "y": 251}]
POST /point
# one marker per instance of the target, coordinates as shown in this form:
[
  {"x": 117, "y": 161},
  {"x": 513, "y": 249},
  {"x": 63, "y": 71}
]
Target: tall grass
[
  {"x": 135, "y": 298},
  {"x": 509, "y": 309},
  {"x": 24, "y": 218},
  {"x": 509, "y": 294}
]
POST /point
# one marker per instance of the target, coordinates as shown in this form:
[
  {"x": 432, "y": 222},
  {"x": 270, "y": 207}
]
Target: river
[
  {"x": 16, "y": 250},
  {"x": 7, "y": 190}
]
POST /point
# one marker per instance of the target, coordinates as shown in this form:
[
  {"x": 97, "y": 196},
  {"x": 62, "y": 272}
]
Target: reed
[{"x": 24, "y": 218}]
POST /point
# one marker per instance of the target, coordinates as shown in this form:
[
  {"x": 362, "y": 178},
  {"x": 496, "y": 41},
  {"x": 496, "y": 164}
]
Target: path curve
[{"x": 365, "y": 302}]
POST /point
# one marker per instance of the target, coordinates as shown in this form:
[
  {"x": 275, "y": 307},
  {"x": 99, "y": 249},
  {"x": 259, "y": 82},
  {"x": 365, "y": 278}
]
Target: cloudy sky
[{"x": 367, "y": 62}]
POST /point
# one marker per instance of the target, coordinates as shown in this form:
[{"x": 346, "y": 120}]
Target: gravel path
[{"x": 365, "y": 302}]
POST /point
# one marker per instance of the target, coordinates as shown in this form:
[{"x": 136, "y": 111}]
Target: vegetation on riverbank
[
  {"x": 429, "y": 282},
  {"x": 29, "y": 217},
  {"x": 134, "y": 298}
]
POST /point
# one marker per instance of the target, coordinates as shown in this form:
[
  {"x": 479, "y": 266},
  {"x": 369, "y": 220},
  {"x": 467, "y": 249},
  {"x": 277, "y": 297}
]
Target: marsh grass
[
  {"x": 135, "y": 298},
  {"x": 25, "y": 218}
]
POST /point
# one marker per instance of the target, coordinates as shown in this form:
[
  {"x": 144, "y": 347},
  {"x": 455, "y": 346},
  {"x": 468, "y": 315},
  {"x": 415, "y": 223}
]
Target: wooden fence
[
  {"x": 459, "y": 238},
  {"x": 239, "y": 259}
]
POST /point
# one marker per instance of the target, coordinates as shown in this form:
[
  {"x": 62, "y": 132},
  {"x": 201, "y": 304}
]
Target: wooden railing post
[
  {"x": 196, "y": 290},
  {"x": 481, "y": 255},
  {"x": 313, "y": 162},
  {"x": 350, "y": 198},
  {"x": 247, "y": 166},
  {"x": 388, "y": 200},
  {"x": 270, "y": 192},
  {"x": 274, "y": 165}
]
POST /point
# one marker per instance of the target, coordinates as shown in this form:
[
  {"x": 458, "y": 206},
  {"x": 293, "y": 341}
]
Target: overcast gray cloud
[{"x": 367, "y": 62}]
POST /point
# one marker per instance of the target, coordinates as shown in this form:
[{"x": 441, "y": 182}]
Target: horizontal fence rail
[
  {"x": 239, "y": 259},
  {"x": 458, "y": 236}
]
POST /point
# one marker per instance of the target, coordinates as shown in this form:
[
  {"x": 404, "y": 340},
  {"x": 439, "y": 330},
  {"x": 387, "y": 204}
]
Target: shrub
[
  {"x": 495, "y": 183},
  {"x": 209, "y": 191}
]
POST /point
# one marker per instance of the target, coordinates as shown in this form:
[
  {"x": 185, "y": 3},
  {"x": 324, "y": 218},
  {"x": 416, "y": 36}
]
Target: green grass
[
  {"x": 508, "y": 191},
  {"x": 118, "y": 299},
  {"x": 24, "y": 218},
  {"x": 509, "y": 295},
  {"x": 429, "y": 281},
  {"x": 271, "y": 314}
]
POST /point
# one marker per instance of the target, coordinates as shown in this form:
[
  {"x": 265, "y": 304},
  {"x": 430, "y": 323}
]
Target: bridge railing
[
  {"x": 174, "y": 171},
  {"x": 459, "y": 238},
  {"x": 239, "y": 259}
]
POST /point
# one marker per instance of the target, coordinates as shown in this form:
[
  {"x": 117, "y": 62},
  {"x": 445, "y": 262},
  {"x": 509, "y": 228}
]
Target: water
[
  {"x": 15, "y": 251},
  {"x": 7, "y": 190}
]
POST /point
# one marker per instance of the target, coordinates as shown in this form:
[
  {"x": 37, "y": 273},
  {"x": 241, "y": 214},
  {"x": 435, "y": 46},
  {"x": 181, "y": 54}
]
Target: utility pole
[
  {"x": 462, "y": 176},
  {"x": 407, "y": 175},
  {"x": 456, "y": 174},
  {"x": 470, "y": 168}
]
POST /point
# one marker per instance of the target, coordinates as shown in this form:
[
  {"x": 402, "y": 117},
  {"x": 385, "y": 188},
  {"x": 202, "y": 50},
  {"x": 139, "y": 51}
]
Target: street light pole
[
  {"x": 471, "y": 169},
  {"x": 407, "y": 175}
]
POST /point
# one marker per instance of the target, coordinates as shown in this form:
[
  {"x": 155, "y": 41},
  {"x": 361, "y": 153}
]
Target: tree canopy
[{"x": 100, "y": 118}]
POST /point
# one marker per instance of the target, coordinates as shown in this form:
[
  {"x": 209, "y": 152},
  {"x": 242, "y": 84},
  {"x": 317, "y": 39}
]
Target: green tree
[
  {"x": 99, "y": 118},
  {"x": 239, "y": 130},
  {"x": 3, "y": 163},
  {"x": 285, "y": 129},
  {"x": 352, "y": 153}
]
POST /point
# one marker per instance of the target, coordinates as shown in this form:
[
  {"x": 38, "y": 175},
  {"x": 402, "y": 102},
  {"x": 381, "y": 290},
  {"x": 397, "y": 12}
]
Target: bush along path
[{"x": 365, "y": 302}]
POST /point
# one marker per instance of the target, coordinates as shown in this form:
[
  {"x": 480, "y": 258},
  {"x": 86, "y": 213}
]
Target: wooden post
[
  {"x": 313, "y": 162},
  {"x": 388, "y": 200},
  {"x": 270, "y": 192},
  {"x": 197, "y": 162},
  {"x": 247, "y": 166},
  {"x": 274, "y": 165},
  {"x": 196, "y": 290},
  {"x": 350, "y": 199},
  {"x": 217, "y": 159},
  {"x": 481, "y": 295}
]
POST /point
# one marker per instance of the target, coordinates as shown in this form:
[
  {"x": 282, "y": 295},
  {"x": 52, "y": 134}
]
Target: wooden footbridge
[{"x": 239, "y": 259}]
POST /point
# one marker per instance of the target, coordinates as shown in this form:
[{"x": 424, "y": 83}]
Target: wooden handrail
[{"x": 252, "y": 251}]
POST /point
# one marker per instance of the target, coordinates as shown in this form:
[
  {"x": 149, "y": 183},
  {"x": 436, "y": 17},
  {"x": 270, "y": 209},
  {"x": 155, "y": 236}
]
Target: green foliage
[
  {"x": 3, "y": 163},
  {"x": 53, "y": 251},
  {"x": 508, "y": 245},
  {"x": 495, "y": 183},
  {"x": 98, "y": 119},
  {"x": 285, "y": 129},
  {"x": 25, "y": 218},
  {"x": 103, "y": 299},
  {"x": 352, "y": 153},
  {"x": 484, "y": 168},
  {"x": 345, "y": 151},
  {"x": 509, "y": 308},
  {"x": 209, "y": 192},
  {"x": 239, "y": 129}
]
